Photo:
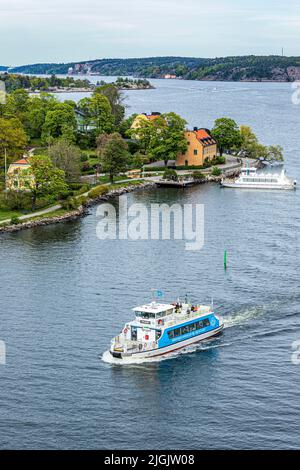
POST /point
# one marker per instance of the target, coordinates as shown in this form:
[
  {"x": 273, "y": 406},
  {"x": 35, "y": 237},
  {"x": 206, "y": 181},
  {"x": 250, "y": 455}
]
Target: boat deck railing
[{"x": 181, "y": 317}]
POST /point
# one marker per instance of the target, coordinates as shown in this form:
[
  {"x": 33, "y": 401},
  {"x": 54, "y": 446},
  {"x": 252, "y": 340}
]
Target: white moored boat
[
  {"x": 159, "y": 329},
  {"x": 268, "y": 178}
]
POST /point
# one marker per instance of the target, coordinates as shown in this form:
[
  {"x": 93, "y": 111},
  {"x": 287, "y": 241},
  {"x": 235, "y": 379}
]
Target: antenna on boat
[{"x": 212, "y": 304}]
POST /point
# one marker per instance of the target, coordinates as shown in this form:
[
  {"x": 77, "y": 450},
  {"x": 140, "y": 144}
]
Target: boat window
[
  {"x": 183, "y": 330},
  {"x": 157, "y": 334},
  {"x": 145, "y": 315},
  {"x": 133, "y": 333},
  {"x": 171, "y": 334}
]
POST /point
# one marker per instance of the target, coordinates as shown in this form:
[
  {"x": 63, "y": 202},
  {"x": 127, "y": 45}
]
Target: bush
[
  {"x": 86, "y": 166},
  {"x": 98, "y": 191},
  {"x": 71, "y": 203},
  {"x": 198, "y": 176},
  {"x": 15, "y": 220},
  {"x": 84, "y": 157},
  {"x": 216, "y": 171},
  {"x": 170, "y": 174},
  {"x": 15, "y": 200},
  {"x": 75, "y": 186},
  {"x": 84, "y": 189},
  {"x": 190, "y": 167},
  {"x": 219, "y": 160},
  {"x": 82, "y": 200}
]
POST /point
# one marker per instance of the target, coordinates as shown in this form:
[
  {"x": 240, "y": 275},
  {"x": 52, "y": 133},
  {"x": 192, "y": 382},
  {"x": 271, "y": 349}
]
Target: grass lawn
[
  {"x": 8, "y": 214},
  {"x": 105, "y": 179}
]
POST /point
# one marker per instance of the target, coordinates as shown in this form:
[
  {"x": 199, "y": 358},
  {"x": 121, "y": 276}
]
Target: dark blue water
[{"x": 65, "y": 293}]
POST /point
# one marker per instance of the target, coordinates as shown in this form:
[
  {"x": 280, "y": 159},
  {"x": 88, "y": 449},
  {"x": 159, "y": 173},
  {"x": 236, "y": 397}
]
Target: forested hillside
[{"x": 240, "y": 68}]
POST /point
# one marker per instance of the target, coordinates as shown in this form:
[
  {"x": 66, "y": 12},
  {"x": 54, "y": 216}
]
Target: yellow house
[
  {"x": 140, "y": 118},
  {"x": 18, "y": 177},
  {"x": 201, "y": 146}
]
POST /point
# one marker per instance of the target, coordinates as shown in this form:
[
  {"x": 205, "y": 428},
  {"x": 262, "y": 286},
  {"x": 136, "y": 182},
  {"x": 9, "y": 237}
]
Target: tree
[
  {"x": 249, "y": 142},
  {"x": 98, "y": 113},
  {"x": 274, "y": 153},
  {"x": 115, "y": 98},
  {"x": 60, "y": 122},
  {"x": 48, "y": 180},
  {"x": 66, "y": 157},
  {"x": 125, "y": 127},
  {"x": 13, "y": 139},
  {"x": 168, "y": 138},
  {"x": 163, "y": 138},
  {"x": 114, "y": 155},
  {"x": 16, "y": 107},
  {"x": 227, "y": 134}
]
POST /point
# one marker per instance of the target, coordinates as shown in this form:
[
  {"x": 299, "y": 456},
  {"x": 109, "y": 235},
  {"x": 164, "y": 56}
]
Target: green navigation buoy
[{"x": 225, "y": 259}]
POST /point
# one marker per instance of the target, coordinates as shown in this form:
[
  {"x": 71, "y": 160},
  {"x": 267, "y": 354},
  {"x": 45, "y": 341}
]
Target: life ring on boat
[
  {"x": 160, "y": 322},
  {"x": 125, "y": 330}
]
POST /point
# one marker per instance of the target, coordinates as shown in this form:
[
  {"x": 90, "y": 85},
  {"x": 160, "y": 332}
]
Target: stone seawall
[{"x": 74, "y": 214}]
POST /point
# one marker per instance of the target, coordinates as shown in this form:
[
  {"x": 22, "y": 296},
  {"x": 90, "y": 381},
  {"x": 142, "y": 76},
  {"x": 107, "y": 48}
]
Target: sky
[{"x": 33, "y": 31}]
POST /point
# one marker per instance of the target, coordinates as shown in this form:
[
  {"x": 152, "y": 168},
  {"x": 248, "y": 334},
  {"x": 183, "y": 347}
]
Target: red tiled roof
[
  {"x": 204, "y": 137},
  {"x": 23, "y": 161},
  {"x": 152, "y": 116},
  {"x": 202, "y": 134}
]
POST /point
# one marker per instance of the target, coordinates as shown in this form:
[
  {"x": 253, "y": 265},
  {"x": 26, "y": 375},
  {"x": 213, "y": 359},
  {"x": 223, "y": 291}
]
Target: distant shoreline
[{"x": 249, "y": 68}]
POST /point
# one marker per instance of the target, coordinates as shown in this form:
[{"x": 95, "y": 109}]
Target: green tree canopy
[
  {"x": 66, "y": 157},
  {"x": 227, "y": 134},
  {"x": 163, "y": 138},
  {"x": 98, "y": 113},
  {"x": 60, "y": 122},
  {"x": 113, "y": 154},
  {"x": 115, "y": 98},
  {"x": 48, "y": 180},
  {"x": 249, "y": 143},
  {"x": 12, "y": 138}
]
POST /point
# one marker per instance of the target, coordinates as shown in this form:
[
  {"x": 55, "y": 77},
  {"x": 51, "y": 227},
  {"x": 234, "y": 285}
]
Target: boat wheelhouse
[
  {"x": 159, "y": 329},
  {"x": 252, "y": 178}
]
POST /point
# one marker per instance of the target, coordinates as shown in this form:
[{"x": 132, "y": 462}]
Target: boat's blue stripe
[{"x": 166, "y": 341}]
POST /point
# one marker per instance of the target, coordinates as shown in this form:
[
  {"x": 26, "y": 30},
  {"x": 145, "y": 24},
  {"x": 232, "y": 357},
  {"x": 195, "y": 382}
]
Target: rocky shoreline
[
  {"x": 74, "y": 214},
  {"x": 83, "y": 210}
]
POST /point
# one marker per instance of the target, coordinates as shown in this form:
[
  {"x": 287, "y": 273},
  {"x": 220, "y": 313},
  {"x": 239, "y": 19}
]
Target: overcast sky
[{"x": 72, "y": 30}]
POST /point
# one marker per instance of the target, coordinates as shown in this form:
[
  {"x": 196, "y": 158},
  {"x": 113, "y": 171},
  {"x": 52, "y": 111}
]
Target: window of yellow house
[{"x": 195, "y": 152}]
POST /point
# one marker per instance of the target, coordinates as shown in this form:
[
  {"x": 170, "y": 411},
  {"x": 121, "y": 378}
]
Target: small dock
[{"x": 177, "y": 184}]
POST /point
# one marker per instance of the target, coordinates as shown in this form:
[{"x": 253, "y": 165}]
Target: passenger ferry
[
  {"x": 252, "y": 178},
  {"x": 159, "y": 329}
]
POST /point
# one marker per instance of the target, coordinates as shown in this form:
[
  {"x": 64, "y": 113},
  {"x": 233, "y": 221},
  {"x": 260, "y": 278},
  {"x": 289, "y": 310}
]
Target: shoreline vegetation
[
  {"x": 236, "y": 68},
  {"x": 96, "y": 195},
  {"x": 56, "y": 156},
  {"x": 54, "y": 84}
]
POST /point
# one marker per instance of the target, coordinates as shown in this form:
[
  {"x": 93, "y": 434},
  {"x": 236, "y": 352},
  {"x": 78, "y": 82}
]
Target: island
[
  {"x": 275, "y": 68},
  {"x": 54, "y": 84}
]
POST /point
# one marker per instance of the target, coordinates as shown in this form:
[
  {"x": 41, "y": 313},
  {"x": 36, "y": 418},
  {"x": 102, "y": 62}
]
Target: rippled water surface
[{"x": 64, "y": 294}]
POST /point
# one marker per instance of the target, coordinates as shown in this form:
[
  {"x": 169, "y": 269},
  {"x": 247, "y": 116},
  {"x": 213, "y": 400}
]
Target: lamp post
[{"x": 5, "y": 165}]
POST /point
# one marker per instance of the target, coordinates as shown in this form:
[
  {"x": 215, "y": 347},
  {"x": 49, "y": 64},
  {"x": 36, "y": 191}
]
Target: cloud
[{"x": 66, "y": 30}]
